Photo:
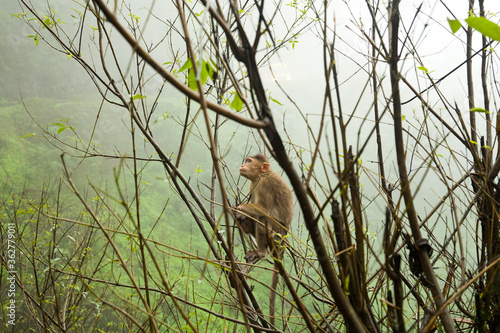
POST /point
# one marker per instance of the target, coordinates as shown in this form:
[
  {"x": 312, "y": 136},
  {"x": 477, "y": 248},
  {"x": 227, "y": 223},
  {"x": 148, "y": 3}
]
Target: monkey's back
[{"x": 278, "y": 199}]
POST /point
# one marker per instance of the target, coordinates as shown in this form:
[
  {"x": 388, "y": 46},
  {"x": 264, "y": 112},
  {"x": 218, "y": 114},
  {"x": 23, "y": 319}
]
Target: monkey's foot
[{"x": 253, "y": 256}]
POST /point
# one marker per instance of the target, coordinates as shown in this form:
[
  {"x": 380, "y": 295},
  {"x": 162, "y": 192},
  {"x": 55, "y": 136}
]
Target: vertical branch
[
  {"x": 398, "y": 292},
  {"x": 484, "y": 76},
  {"x": 403, "y": 173},
  {"x": 359, "y": 260},
  {"x": 393, "y": 269},
  {"x": 152, "y": 323},
  {"x": 380, "y": 154},
  {"x": 470, "y": 84},
  {"x": 340, "y": 236}
]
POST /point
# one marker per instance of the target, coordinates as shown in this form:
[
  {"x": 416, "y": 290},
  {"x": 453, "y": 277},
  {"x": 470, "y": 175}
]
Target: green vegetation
[
  {"x": 123, "y": 127},
  {"x": 34, "y": 195}
]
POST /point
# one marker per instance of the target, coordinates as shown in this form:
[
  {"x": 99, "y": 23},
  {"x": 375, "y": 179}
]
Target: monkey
[
  {"x": 270, "y": 209},
  {"x": 270, "y": 204}
]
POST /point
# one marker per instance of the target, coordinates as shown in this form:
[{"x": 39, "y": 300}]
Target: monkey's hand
[
  {"x": 238, "y": 213},
  {"x": 253, "y": 256}
]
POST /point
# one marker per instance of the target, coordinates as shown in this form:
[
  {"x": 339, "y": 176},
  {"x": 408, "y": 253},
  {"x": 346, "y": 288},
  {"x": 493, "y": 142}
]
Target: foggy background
[{"x": 37, "y": 79}]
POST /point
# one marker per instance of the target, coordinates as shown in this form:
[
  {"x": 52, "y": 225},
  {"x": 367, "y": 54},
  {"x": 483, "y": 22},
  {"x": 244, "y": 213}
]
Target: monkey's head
[{"x": 254, "y": 166}]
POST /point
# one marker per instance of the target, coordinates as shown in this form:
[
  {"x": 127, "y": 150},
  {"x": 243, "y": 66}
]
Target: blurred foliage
[{"x": 30, "y": 70}]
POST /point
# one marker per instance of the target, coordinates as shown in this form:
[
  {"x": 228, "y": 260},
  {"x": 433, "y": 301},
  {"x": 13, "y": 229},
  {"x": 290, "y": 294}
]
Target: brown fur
[{"x": 270, "y": 204}]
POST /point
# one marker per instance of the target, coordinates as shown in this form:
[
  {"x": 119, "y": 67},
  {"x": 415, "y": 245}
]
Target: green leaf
[
  {"x": 135, "y": 17},
  {"x": 423, "y": 69},
  {"x": 48, "y": 21},
  {"x": 484, "y": 26},
  {"x": 212, "y": 69},
  {"x": 35, "y": 38},
  {"x": 18, "y": 15},
  {"x": 27, "y": 135},
  {"x": 455, "y": 25},
  {"x": 204, "y": 73},
  {"x": 479, "y": 110},
  {"x": 275, "y": 101},
  {"x": 138, "y": 96},
  {"x": 192, "y": 80},
  {"x": 237, "y": 103},
  {"x": 208, "y": 69},
  {"x": 346, "y": 286},
  {"x": 187, "y": 65},
  {"x": 193, "y": 83}
]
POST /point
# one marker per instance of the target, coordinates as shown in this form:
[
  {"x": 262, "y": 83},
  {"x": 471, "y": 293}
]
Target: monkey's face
[{"x": 250, "y": 169}]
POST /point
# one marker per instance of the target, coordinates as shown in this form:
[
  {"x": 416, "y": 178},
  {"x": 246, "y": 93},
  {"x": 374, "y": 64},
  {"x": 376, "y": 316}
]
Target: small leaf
[
  {"x": 135, "y": 17},
  {"x": 455, "y": 25},
  {"x": 423, "y": 69},
  {"x": 35, "y": 38},
  {"x": 138, "y": 96},
  {"x": 346, "y": 286},
  {"x": 192, "y": 80},
  {"x": 275, "y": 101},
  {"x": 217, "y": 265},
  {"x": 237, "y": 103},
  {"x": 212, "y": 69},
  {"x": 187, "y": 65},
  {"x": 27, "y": 135},
  {"x": 484, "y": 26},
  {"x": 479, "y": 110},
  {"x": 18, "y": 15},
  {"x": 204, "y": 73}
]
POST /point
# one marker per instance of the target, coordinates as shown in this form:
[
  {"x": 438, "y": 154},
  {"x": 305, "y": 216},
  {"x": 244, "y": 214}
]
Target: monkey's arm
[
  {"x": 252, "y": 219},
  {"x": 253, "y": 210}
]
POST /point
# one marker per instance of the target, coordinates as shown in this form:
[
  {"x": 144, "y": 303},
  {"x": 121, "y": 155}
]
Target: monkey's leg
[{"x": 261, "y": 239}]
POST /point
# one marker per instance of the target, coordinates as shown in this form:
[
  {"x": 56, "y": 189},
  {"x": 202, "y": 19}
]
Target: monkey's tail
[{"x": 272, "y": 296}]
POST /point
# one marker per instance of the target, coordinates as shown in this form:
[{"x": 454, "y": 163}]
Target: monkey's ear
[{"x": 265, "y": 167}]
